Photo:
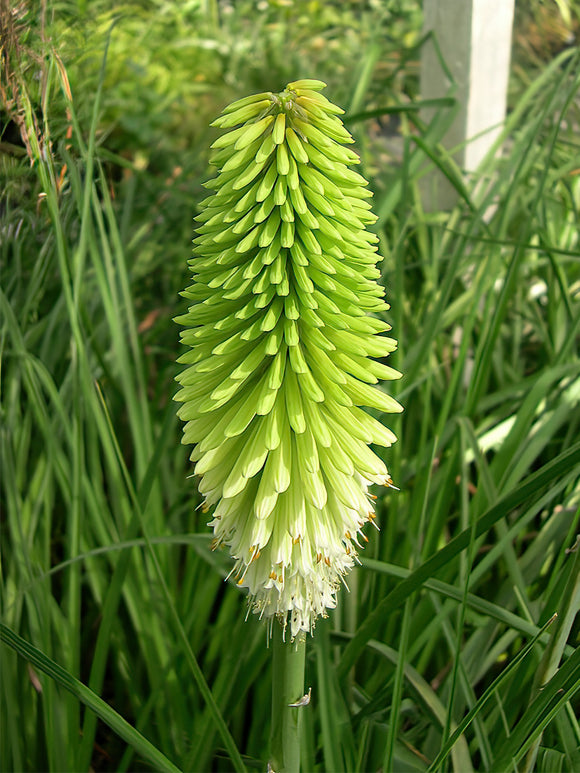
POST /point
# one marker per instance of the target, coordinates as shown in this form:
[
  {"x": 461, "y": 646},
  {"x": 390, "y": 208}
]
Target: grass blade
[
  {"x": 108, "y": 715},
  {"x": 563, "y": 464}
]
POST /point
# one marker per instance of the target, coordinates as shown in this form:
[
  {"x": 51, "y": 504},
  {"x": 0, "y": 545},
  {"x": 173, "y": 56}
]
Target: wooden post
[{"x": 474, "y": 38}]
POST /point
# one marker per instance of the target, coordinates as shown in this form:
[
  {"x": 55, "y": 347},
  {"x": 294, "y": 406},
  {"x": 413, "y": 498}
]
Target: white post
[{"x": 474, "y": 38}]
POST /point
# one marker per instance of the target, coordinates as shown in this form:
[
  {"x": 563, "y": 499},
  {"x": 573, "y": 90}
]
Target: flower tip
[{"x": 307, "y": 83}]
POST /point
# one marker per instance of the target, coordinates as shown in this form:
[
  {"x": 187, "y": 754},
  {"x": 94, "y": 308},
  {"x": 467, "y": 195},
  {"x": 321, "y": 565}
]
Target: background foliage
[{"x": 108, "y": 584}]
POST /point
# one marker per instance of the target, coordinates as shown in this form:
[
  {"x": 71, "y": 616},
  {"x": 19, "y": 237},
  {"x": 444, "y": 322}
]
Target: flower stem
[{"x": 287, "y": 688}]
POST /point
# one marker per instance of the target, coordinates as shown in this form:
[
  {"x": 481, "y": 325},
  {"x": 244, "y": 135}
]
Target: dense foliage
[{"x": 109, "y": 586}]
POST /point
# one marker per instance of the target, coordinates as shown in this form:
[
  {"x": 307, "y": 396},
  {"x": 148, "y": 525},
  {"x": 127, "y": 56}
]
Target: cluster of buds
[{"x": 285, "y": 335}]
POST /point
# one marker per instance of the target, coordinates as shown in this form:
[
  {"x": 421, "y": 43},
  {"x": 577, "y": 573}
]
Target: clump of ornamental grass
[{"x": 285, "y": 339}]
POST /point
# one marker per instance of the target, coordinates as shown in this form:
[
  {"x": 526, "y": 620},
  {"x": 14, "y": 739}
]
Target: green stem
[{"x": 287, "y": 688}]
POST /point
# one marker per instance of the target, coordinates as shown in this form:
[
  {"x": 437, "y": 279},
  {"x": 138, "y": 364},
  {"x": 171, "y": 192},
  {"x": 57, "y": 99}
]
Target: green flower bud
[{"x": 284, "y": 324}]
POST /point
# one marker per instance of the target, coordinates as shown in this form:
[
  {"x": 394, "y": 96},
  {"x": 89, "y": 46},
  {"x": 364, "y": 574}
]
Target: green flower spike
[{"x": 283, "y": 352}]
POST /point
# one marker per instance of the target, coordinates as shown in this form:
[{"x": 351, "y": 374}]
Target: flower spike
[{"x": 284, "y": 335}]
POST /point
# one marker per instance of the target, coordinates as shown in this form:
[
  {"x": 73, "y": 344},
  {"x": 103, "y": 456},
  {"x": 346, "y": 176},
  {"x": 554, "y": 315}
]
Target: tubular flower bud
[{"x": 285, "y": 339}]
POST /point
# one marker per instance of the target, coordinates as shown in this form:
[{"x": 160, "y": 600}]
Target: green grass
[{"x": 122, "y": 647}]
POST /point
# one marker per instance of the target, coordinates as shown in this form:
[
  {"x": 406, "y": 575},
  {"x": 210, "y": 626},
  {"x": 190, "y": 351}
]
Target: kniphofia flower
[{"x": 285, "y": 339}]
